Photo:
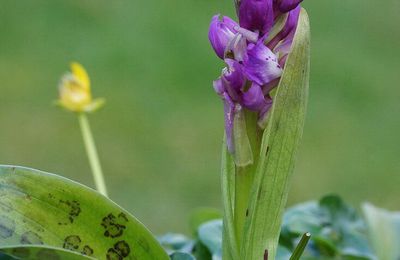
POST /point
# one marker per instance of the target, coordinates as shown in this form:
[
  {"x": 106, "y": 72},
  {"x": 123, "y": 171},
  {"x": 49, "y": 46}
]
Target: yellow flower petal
[{"x": 80, "y": 73}]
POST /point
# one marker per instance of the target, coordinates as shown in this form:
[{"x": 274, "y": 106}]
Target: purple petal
[
  {"x": 221, "y": 33},
  {"x": 219, "y": 86},
  {"x": 233, "y": 74},
  {"x": 285, "y": 46},
  {"x": 285, "y": 6},
  {"x": 261, "y": 65},
  {"x": 256, "y": 15},
  {"x": 290, "y": 26},
  {"x": 254, "y": 99},
  {"x": 229, "y": 114},
  {"x": 238, "y": 47}
]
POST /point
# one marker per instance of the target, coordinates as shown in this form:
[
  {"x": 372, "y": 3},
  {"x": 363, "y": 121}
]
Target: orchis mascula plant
[{"x": 264, "y": 89}]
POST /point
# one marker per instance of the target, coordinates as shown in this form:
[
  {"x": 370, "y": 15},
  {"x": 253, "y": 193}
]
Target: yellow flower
[{"x": 75, "y": 93}]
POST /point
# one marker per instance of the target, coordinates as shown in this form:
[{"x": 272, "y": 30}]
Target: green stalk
[
  {"x": 299, "y": 250},
  {"x": 92, "y": 154}
]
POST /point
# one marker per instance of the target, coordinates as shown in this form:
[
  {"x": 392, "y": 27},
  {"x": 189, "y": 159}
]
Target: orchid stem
[{"x": 92, "y": 154}]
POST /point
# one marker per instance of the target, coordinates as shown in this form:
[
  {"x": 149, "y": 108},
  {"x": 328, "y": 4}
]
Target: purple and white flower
[{"x": 253, "y": 64}]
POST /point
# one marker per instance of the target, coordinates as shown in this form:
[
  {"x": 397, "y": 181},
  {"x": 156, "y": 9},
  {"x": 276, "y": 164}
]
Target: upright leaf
[
  {"x": 38, "y": 208},
  {"x": 280, "y": 142}
]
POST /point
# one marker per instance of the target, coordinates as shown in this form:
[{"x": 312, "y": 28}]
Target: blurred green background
[{"x": 159, "y": 137}]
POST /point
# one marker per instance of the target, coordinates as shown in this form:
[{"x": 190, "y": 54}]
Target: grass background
[{"x": 159, "y": 136}]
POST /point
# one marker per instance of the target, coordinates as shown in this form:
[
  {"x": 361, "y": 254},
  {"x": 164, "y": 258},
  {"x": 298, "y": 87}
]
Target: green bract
[{"x": 43, "y": 209}]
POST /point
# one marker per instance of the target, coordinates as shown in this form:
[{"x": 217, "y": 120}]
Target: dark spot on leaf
[
  {"x": 31, "y": 238},
  {"x": 113, "y": 255},
  {"x": 266, "y": 254},
  {"x": 267, "y": 151},
  {"x": 21, "y": 252},
  {"x": 123, "y": 217},
  {"x": 40, "y": 229},
  {"x": 7, "y": 227},
  {"x": 73, "y": 208},
  {"x": 72, "y": 242},
  {"x": 247, "y": 212},
  {"x": 47, "y": 254},
  {"x": 122, "y": 248},
  {"x": 114, "y": 226},
  {"x": 87, "y": 250},
  {"x": 259, "y": 193}
]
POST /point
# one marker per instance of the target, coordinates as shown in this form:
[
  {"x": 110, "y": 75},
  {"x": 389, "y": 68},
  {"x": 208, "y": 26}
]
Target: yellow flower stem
[{"x": 92, "y": 154}]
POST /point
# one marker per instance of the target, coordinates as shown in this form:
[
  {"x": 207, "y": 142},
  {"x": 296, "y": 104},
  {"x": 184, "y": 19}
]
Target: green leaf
[
  {"x": 279, "y": 146},
  {"x": 176, "y": 242},
  {"x": 39, "y": 252},
  {"x": 182, "y": 256},
  {"x": 210, "y": 235},
  {"x": 39, "y": 208},
  {"x": 384, "y": 231},
  {"x": 337, "y": 230}
]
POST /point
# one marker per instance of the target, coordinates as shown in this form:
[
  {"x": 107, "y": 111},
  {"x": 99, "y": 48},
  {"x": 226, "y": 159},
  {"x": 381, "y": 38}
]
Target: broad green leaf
[
  {"x": 210, "y": 235},
  {"x": 39, "y": 252},
  {"x": 384, "y": 231},
  {"x": 39, "y": 208},
  {"x": 176, "y": 242},
  {"x": 337, "y": 230},
  {"x": 280, "y": 142},
  {"x": 182, "y": 256}
]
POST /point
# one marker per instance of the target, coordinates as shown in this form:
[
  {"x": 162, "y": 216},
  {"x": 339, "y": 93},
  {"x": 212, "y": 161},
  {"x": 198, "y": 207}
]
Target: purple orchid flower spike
[
  {"x": 285, "y": 6},
  {"x": 268, "y": 48},
  {"x": 253, "y": 66},
  {"x": 221, "y": 33},
  {"x": 256, "y": 15}
]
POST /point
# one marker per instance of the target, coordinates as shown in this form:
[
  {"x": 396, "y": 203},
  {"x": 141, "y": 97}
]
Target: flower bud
[
  {"x": 221, "y": 33},
  {"x": 256, "y": 15},
  {"x": 74, "y": 91},
  {"x": 285, "y": 6}
]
